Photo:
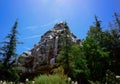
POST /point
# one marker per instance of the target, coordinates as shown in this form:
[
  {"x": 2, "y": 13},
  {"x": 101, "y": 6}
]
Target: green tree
[
  {"x": 71, "y": 57},
  {"x": 96, "y": 31},
  {"x": 117, "y": 20},
  {"x": 8, "y": 52},
  {"x": 115, "y": 44},
  {"x": 65, "y": 47},
  {"x": 9, "y": 47},
  {"x": 80, "y": 70},
  {"x": 97, "y": 57}
]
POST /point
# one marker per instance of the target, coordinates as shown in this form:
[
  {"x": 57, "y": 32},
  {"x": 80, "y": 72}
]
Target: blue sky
[{"x": 38, "y": 16}]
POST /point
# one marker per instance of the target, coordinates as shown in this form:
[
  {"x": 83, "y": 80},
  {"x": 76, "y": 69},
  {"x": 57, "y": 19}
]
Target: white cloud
[
  {"x": 32, "y": 28},
  {"x": 32, "y": 37},
  {"x": 50, "y": 23},
  {"x": 35, "y": 28}
]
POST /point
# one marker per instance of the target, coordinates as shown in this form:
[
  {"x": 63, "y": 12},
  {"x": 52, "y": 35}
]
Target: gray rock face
[{"x": 46, "y": 51}]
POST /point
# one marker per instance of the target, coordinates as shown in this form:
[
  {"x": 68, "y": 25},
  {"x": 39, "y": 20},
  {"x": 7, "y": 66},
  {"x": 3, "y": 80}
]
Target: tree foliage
[
  {"x": 8, "y": 53},
  {"x": 115, "y": 44},
  {"x": 97, "y": 57},
  {"x": 8, "y": 50},
  {"x": 71, "y": 58},
  {"x": 64, "y": 57}
]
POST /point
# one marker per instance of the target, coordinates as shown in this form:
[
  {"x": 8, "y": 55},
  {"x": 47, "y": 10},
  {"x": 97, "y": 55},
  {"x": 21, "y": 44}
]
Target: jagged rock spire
[{"x": 46, "y": 51}]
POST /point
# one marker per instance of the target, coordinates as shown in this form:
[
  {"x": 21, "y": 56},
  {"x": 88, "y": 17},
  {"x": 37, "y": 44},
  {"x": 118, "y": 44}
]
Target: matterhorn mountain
[{"x": 48, "y": 48}]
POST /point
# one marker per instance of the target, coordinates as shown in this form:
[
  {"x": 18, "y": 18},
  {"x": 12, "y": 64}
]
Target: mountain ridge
[{"x": 47, "y": 49}]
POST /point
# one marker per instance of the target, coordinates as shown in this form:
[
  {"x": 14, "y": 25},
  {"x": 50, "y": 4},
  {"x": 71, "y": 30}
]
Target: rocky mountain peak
[
  {"x": 46, "y": 50},
  {"x": 60, "y": 25}
]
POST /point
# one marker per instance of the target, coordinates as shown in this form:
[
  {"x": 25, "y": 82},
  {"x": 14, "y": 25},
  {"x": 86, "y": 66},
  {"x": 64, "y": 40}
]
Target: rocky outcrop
[{"x": 47, "y": 49}]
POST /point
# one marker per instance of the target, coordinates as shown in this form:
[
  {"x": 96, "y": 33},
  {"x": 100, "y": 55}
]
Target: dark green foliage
[
  {"x": 115, "y": 44},
  {"x": 8, "y": 53},
  {"x": 64, "y": 58},
  {"x": 71, "y": 58},
  {"x": 9, "y": 47},
  {"x": 79, "y": 70},
  {"x": 98, "y": 53},
  {"x": 117, "y": 20},
  {"x": 95, "y": 31},
  {"x": 97, "y": 57},
  {"x": 9, "y": 74}
]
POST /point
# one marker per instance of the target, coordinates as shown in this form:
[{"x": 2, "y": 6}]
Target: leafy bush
[
  {"x": 50, "y": 79},
  {"x": 59, "y": 71},
  {"x": 9, "y": 74}
]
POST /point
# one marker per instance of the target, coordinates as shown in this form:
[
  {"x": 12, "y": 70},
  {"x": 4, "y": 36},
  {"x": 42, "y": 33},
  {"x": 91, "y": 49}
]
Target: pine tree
[
  {"x": 115, "y": 44},
  {"x": 8, "y": 53},
  {"x": 96, "y": 31},
  {"x": 64, "y": 57},
  {"x": 96, "y": 56},
  {"x": 8, "y": 49},
  {"x": 117, "y": 20}
]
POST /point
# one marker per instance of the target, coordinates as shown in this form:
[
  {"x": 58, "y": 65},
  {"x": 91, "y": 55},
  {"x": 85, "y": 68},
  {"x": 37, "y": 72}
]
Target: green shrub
[
  {"x": 59, "y": 71},
  {"x": 50, "y": 79},
  {"x": 9, "y": 74}
]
